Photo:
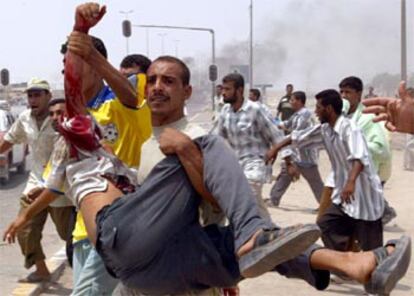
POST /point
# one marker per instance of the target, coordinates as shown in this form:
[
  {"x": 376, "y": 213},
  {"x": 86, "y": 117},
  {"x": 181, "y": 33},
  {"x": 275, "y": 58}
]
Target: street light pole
[
  {"x": 251, "y": 45},
  {"x": 126, "y": 13},
  {"x": 162, "y": 35},
  {"x": 213, "y": 45},
  {"x": 176, "y": 42},
  {"x": 403, "y": 42}
]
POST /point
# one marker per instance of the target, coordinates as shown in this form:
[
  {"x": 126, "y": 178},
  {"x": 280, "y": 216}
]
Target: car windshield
[{"x": 4, "y": 125}]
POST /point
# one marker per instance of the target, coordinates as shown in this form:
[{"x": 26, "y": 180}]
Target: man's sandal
[{"x": 390, "y": 267}]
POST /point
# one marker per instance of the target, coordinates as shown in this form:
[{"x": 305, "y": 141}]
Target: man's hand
[
  {"x": 293, "y": 171},
  {"x": 16, "y": 226},
  {"x": 81, "y": 44},
  {"x": 347, "y": 194},
  {"x": 173, "y": 141},
  {"x": 88, "y": 15},
  {"x": 398, "y": 113},
  {"x": 271, "y": 155},
  {"x": 33, "y": 194}
]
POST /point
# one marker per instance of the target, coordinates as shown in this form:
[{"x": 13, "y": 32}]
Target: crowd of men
[{"x": 154, "y": 204}]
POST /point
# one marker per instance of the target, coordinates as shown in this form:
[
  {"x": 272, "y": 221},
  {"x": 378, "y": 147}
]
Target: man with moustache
[{"x": 34, "y": 127}]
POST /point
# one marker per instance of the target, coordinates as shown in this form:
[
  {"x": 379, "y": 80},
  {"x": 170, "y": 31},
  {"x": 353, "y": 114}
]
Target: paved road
[{"x": 11, "y": 266}]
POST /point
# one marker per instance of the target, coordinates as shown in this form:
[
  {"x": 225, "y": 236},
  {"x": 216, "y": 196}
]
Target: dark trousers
[
  {"x": 152, "y": 239},
  {"x": 338, "y": 228},
  {"x": 283, "y": 180}
]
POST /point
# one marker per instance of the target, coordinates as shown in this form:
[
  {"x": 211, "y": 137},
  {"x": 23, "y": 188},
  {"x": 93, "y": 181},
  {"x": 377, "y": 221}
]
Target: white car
[{"x": 15, "y": 157}]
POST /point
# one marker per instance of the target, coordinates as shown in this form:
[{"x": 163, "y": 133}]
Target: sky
[{"x": 311, "y": 43}]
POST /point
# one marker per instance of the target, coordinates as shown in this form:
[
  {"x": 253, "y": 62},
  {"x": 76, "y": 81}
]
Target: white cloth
[{"x": 40, "y": 141}]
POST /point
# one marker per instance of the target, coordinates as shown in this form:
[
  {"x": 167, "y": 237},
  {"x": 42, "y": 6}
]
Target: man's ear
[{"x": 188, "y": 89}]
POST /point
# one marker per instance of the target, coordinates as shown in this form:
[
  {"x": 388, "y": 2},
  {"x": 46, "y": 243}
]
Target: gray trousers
[
  {"x": 311, "y": 175},
  {"x": 152, "y": 239}
]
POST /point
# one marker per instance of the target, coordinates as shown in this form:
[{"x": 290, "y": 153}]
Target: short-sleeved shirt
[
  {"x": 124, "y": 128},
  {"x": 40, "y": 141},
  {"x": 285, "y": 108},
  {"x": 377, "y": 140},
  {"x": 301, "y": 120},
  {"x": 251, "y": 133},
  {"x": 344, "y": 143}
]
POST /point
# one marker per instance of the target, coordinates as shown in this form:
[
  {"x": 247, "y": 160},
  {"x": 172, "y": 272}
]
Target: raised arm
[{"x": 81, "y": 44}]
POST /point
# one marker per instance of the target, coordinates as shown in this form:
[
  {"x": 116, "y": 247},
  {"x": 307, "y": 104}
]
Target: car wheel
[
  {"x": 3, "y": 181},
  {"x": 21, "y": 168}
]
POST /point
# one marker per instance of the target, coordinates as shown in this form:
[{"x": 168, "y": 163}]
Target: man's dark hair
[
  {"x": 352, "y": 82},
  {"x": 331, "y": 97},
  {"x": 134, "y": 60},
  {"x": 300, "y": 95},
  {"x": 185, "y": 72},
  {"x": 97, "y": 43},
  {"x": 256, "y": 92},
  {"x": 236, "y": 78},
  {"x": 55, "y": 101},
  {"x": 289, "y": 85}
]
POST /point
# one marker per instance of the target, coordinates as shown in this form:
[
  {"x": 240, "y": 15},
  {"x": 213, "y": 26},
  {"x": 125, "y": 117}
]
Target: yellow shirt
[{"x": 124, "y": 129}]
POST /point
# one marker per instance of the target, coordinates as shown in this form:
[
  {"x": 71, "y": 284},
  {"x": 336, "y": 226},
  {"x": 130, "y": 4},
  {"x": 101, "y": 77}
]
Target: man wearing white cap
[{"x": 34, "y": 127}]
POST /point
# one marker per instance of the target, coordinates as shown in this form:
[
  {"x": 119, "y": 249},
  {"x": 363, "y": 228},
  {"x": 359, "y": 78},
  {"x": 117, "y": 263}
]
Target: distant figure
[
  {"x": 303, "y": 161},
  {"x": 134, "y": 64},
  {"x": 284, "y": 109},
  {"x": 370, "y": 93},
  {"x": 254, "y": 95},
  {"x": 218, "y": 99}
]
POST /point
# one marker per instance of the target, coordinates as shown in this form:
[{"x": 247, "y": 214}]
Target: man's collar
[
  {"x": 104, "y": 94},
  {"x": 245, "y": 105},
  {"x": 338, "y": 124}
]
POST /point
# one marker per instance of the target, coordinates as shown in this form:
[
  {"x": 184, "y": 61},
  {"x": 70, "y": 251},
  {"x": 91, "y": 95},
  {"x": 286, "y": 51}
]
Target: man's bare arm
[
  {"x": 5, "y": 145},
  {"x": 81, "y": 44},
  {"x": 39, "y": 204},
  {"x": 347, "y": 193},
  {"x": 397, "y": 112}
]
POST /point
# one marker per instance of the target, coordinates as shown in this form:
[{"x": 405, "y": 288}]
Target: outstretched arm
[
  {"x": 397, "y": 112},
  {"x": 39, "y": 204},
  {"x": 271, "y": 155}
]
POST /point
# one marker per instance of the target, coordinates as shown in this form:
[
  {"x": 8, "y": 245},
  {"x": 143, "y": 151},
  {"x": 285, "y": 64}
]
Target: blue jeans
[{"x": 89, "y": 273}]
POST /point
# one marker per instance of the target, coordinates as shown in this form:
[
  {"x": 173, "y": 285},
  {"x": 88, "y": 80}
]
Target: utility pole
[
  {"x": 162, "y": 35},
  {"x": 213, "y": 46},
  {"x": 251, "y": 45},
  {"x": 176, "y": 42},
  {"x": 403, "y": 42}
]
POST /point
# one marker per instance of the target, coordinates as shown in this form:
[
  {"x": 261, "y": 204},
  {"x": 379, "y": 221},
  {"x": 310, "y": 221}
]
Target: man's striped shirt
[{"x": 345, "y": 143}]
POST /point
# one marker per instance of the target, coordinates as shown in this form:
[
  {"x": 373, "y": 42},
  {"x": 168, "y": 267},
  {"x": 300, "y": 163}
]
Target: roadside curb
[{"x": 56, "y": 265}]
